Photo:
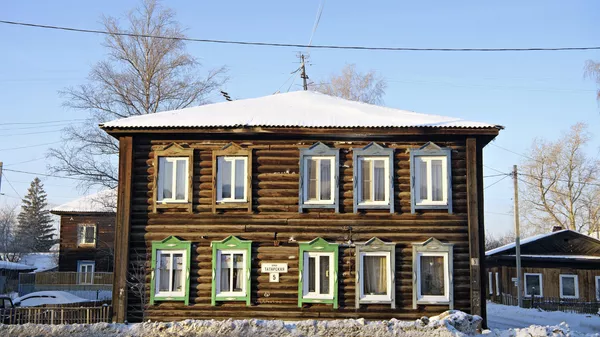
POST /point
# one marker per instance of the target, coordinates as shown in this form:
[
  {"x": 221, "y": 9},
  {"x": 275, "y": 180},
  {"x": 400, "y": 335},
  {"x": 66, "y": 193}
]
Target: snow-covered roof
[
  {"x": 522, "y": 242},
  {"x": 14, "y": 266},
  {"x": 102, "y": 202},
  {"x": 305, "y": 109},
  {"x": 577, "y": 257},
  {"x": 40, "y": 261}
]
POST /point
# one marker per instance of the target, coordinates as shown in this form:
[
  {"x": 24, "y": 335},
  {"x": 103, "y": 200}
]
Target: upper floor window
[
  {"x": 319, "y": 170},
  {"x": 86, "y": 235},
  {"x": 231, "y": 270},
  {"x": 373, "y": 177},
  {"x": 431, "y": 178},
  {"x": 173, "y": 177},
  {"x": 432, "y": 273},
  {"x": 375, "y": 269},
  {"x": 170, "y": 270},
  {"x": 232, "y": 173},
  {"x": 318, "y": 266}
]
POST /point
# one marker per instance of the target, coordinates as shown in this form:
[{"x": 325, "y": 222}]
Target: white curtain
[
  {"x": 312, "y": 178},
  {"x": 163, "y": 272},
  {"x": 240, "y": 176},
  {"x": 225, "y": 174},
  {"x": 379, "y": 180},
  {"x": 325, "y": 179},
  {"x": 375, "y": 275},
  {"x": 436, "y": 180},
  {"x": 180, "y": 180},
  {"x": 225, "y": 272},
  {"x": 167, "y": 178},
  {"x": 432, "y": 275},
  {"x": 238, "y": 269},
  {"x": 422, "y": 179},
  {"x": 177, "y": 272},
  {"x": 366, "y": 180}
]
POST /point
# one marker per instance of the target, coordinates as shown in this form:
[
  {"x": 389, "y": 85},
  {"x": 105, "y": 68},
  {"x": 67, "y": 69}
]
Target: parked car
[
  {"x": 47, "y": 297},
  {"x": 5, "y": 304}
]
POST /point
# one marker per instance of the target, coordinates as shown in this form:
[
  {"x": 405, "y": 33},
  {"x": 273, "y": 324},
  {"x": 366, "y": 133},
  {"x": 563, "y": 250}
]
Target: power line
[
  {"x": 30, "y": 133},
  {"x": 317, "y": 20},
  {"x": 26, "y": 161},
  {"x": 508, "y": 214},
  {"x": 295, "y": 45},
  {"x": 45, "y": 122},
  {"x": 26, "y": 147},
  {"x": 44, "y": 174},
  {"x": 11, "y": 185},
  {"x": 561, "y": 180},
  {"x": 496, "y": 175},
  {"x": 497, "y": 181}
]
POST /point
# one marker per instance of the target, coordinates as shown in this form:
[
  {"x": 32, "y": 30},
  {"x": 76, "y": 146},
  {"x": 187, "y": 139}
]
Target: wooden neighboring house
[
  {"x": 299, "y": 205},
  {"x": 87, "y": 232},
  {"x": 9, "y": 275},
  {"x": 563, "y": 264}
]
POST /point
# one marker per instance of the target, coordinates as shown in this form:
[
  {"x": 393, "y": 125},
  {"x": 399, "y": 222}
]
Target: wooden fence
[
  {"x": 56, "y": 315},
  {"x": 552, "y": 304}
]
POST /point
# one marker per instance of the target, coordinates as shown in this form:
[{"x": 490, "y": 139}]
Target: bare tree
[
  {"x": 142, "y": 75},
  {"x": 353, "y": 85},
  {"x": 592, "y": 71},
  {"x": 10, "y": 250},
  {"x": 561, "y": 185},
  {"x": 137, "y": 278},
  {"x": 494, "y": 241}
]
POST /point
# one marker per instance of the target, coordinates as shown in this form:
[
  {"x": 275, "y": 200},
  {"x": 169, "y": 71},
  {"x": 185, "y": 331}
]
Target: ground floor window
[
  {"x": 231, "y": 270},
  {"x": 170, "y": 270},
  {"x": 533, "y": 284},
  {"x": 598, "y": 288},
  {"x": 569, "y": 287},
  {"x": 490, "y": 285},
  {"x": 85, "y": 272},
  {"x": 317, "y": 282},
  {"x": 375, "y": 268},
  {"x": 432, "y": 263},
  {"x": 497, "y": 284}
]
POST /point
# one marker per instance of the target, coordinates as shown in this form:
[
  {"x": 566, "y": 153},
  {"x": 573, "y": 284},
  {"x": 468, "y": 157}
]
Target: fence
[
  {"x": 552, "y": 304},
  {"x": 56, "y": 315},
  {"x": 91, "y": 286}
]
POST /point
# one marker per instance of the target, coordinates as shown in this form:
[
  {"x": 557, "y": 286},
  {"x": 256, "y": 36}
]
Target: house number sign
[{"x": 274, "y": 269}]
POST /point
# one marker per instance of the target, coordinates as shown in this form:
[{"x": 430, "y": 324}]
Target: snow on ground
[
  {"x": 47, "y": 297},
  {"x": 450, "y": 323},
  {"x": 504, "y": 317},
  {"x": 41, "y": 261}
]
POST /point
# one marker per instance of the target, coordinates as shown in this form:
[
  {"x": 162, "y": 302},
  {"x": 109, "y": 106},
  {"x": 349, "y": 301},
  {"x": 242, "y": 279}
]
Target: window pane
[
  {"x": 177, "y": 272},
  {"x": 226, "y": 265},
  {"x": 238, "y": 272},
  {"x": 167, "y": 183},
  {"x": 163, "y": 272},
  {"x": 436, "y": 180},
  {"x": 366, "y": 180},
  {"x": 225, "y": 179},
  {"x": 312, "y": 179},
  {"x": 532, "y": 284},
  {"x": 324, "y": 274},
  {"x": 311, "y": 275},
  {"x": 325, "y": 179},
  {"x": 180, "y": 180},
  {"x": 240, "y": 176},
  {"x": 375, "y": 275},
  {"x": 89, "y": 234},
  {"x": 568, "y": 286},
  {"x": 422, "y": 178},
  {"x": 432, "y": 275},
  {"x": 379, "y": 180}
]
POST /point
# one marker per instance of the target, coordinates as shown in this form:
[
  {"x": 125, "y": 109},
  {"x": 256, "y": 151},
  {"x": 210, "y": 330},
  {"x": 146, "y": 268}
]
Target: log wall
[{"x": 275, "y": 226}]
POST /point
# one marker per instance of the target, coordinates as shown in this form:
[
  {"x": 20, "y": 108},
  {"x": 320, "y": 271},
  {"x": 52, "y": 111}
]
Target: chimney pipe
[{"x": 557, "y": 228}]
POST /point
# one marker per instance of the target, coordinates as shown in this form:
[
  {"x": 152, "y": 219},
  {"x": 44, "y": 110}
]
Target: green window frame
[
  {"x": 231, "y": 244},
  {"x": 318, "y": 245},
  {"x": 171, "y": 243}
]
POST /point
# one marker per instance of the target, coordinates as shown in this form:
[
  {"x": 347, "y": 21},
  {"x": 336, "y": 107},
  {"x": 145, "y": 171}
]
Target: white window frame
[
  {"x": 576, "y": 279},
  {"x": 597, "y": 287},
  {"x": 306, "y": 280},
  {"x": 434, "y": 298},
  {"x": 171, "y": 252},
  {"x": 82, "y": 275},
  {"x": 306, "y": 178},
  {"x": 497, "y": 284},
  {"x": 161, "y": 179},
  {"x": 386, "y": 166},
  {"x": 417, "y": 172},
  {"x": 490, "y": 285},
  {"x": 231, "y": 159},
  {"x": 81, "y": 229},
  {"x": 245, "y": 273},
  {"x": 541, "y": 284},
  {"x": 375, "y": 298}
]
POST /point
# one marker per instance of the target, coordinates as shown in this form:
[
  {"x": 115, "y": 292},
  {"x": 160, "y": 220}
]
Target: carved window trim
[
  {"x": 373, "y": 151},
  {"x": 376, "y": 247},
  {"x": 232, "y": 150},
  {"x": 173, "y": 150},
  {"x": 319, "y": 150},
  {"x": 430, "y": 149},
  {"x": 433, "y": 247}
]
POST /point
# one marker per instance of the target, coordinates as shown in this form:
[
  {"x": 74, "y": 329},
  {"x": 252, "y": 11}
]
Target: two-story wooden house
[
  {"x": 299, "y": 205},
  {"x": 87, "y": 234}
]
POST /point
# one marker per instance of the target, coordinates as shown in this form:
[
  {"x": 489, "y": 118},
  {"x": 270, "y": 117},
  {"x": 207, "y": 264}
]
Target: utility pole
[
  {"x": 517, "y": 237},
  {"x": 0, "y": 177},
  {"x": 303, "y": 72}
]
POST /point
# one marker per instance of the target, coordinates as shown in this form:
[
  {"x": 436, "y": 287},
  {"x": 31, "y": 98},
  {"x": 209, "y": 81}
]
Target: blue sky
[{"x": 532, "y": 94}]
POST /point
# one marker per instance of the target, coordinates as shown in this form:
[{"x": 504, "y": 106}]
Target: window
[
  {"x": 170, "y": 270},
  {"x": 317, "y": 282},
  {"x": 431, "y": 178},
  {"x": 569, "y": 287},
  {"x": 497, "y": 285},
  {"x": 231, "y": 270},
  {"x": 598, "y": 288},
  {"x": 533, "y": 285},
  {"x": 232, "y": 175},
  {"x": 231, "y": 179},
  {"x": 86, "y": 235},
  {"x": 172, "y": 188},
  {"x": 432, "y": 281},
  {"x": 85, "y": 272},
  {"x": 490, "y": 285},
  {"x": 172, "y": 179},
  {"x": 319, "y": 170},
  {"x": 373, "y": 177},
  {"x": 375, "y": 265}
]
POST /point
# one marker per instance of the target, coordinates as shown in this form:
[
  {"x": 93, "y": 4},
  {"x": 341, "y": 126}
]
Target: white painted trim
[
  {"x": 386, "y": 176},
  {"x": 490, "y": 285},
  {"x": 428, "y": 201},
  {"x": 306, "y": 178},
  {"x": 541, "y": 284},
  {"x": 82, "y": 275},
  {"x": 434, "y": 298},
  {"x": 576, "y": 277},
  {"x": 81, "y": 240},
  {"x": 170, "y": 252},
  {"x": 497, "y": 284},
  {"x": 218, "y": 271},
  {"x": 161, "y": 178},
  {"x": 376, "y": 298},
  {"x": 305, "y": 278},
  {"x": 231, "y": 159}
]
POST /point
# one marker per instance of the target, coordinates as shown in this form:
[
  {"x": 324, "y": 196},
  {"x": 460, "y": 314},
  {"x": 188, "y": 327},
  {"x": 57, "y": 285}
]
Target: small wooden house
[
  {"x": 299, "y": 205},
  {"x": 87, "y": 234},
  {"x": 562, "y": 265}
]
